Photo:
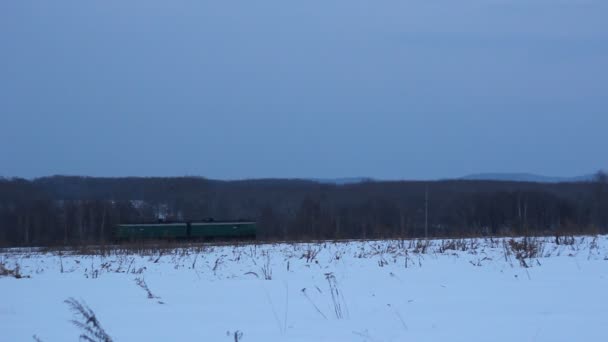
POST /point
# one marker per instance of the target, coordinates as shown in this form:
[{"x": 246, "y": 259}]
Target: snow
[{"x": 349, "y": 291}]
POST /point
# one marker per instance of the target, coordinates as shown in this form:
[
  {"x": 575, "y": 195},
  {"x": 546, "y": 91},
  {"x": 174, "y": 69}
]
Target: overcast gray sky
[{"x": 395, "y": 89}]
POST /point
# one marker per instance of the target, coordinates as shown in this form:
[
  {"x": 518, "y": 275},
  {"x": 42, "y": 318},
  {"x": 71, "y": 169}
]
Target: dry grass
[
  {"x": 527, "y": 248},
  {"x": 266, "y": 269},
  {"x": 237, "y": 335},
  {"x": 87, "y": 322},
  {"x": 311, "y": 254},
  {"x": 336, "y": 296},
  {"x": 265, "y": 259},
  {"x": 5, "y": 271}
]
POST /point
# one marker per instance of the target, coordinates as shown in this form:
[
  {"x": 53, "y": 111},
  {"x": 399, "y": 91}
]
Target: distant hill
[
  {"x": 507, "y": 177},
  {"x": 527, "y": 177},
  {"x": 342, "y": 181}
]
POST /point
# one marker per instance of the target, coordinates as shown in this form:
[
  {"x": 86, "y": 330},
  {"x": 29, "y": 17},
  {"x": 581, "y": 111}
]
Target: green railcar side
[
  {"x": 151, "y": 231},
  {"x": 220, "y": 230}
]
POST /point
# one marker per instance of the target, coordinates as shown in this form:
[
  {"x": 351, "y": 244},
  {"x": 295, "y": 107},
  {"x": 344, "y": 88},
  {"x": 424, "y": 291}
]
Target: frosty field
[{"x": 440, "y": 290}]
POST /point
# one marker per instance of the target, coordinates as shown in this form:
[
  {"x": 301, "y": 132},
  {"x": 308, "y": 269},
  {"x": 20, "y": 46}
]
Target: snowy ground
[{"x": 452, "y": 290}]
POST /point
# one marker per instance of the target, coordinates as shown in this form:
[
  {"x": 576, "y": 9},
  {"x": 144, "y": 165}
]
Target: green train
[{"x": 205, "y": 230}]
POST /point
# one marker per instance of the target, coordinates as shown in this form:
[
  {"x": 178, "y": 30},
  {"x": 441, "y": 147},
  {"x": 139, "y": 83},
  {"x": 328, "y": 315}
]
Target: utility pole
[{"x": 426, "y": 212}]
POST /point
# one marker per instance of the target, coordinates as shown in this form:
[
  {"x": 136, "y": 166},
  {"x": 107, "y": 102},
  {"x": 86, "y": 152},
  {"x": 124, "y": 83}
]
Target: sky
[{"x": 231, "y": 89}]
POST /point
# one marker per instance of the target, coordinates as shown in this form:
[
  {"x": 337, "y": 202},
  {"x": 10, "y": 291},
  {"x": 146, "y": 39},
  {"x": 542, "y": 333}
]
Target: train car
[
  {"x": 143, "y": 231},
  {"x": 222, "y": 230},
  {"x": 203, "y": 230}
]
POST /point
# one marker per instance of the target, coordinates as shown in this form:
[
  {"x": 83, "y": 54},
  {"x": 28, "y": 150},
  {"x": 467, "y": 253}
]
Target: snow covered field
[{"x": 443, "y": 290}]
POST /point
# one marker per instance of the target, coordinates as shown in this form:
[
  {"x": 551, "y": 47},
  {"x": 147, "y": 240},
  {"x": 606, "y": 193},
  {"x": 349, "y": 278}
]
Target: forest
[{"x": 75, "y": 210}]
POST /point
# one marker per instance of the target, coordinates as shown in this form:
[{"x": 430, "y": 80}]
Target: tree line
[{"x": 72, "y": 210}]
